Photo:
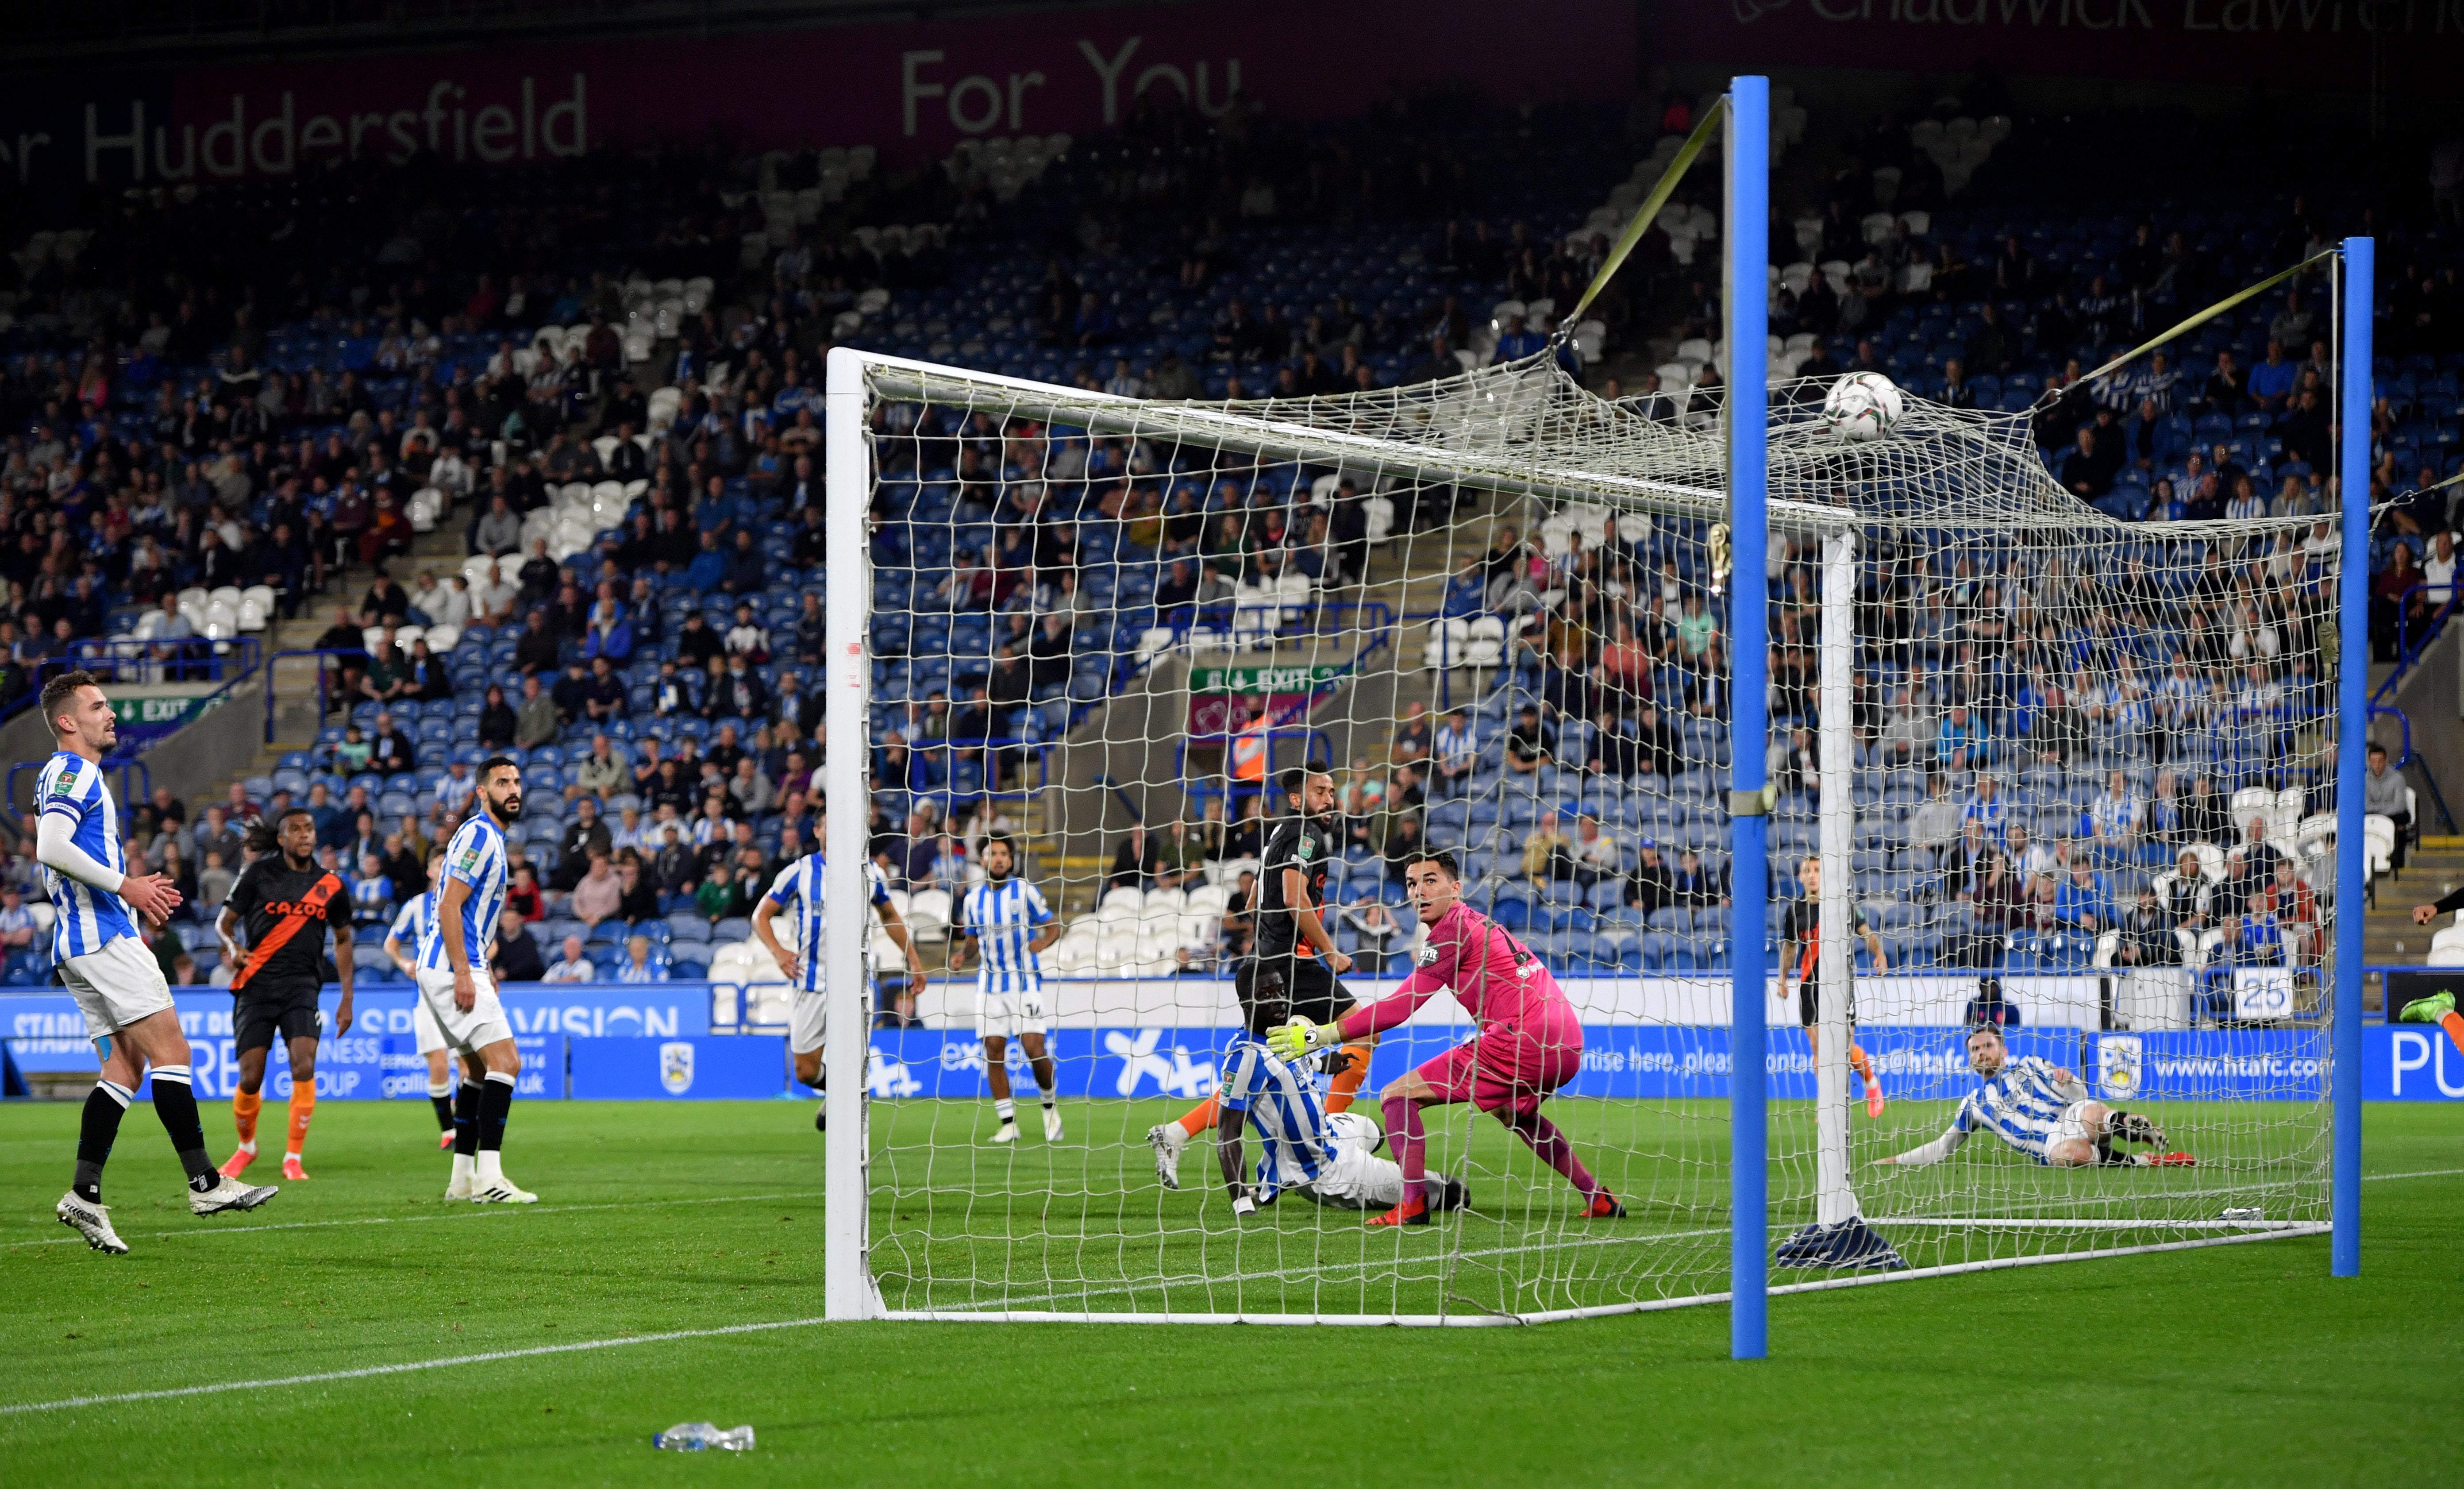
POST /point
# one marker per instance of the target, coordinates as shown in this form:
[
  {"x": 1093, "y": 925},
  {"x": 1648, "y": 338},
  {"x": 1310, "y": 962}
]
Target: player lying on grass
[
  {"x": 1295, "y": 945},
  {"x": 1330, "y": 1158},
  {"x": 2439, "y": 1008},
  {"x": 1530, "y": 1043},
  {"x": 2045, "y": 1112}
]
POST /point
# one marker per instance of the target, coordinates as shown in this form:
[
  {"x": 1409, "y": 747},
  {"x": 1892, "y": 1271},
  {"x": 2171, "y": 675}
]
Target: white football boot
[
  {"x": 93, "y": 1222},
  {"x": 230, "y": 1194},
  {"x": 489, "y": 1185},
  {"x": 459, "y": 1187},
  {"x": 1052, "y": 1125},
  {"x": 1004, "y": 1135},
  {"x": 1167, "y": 1138}
]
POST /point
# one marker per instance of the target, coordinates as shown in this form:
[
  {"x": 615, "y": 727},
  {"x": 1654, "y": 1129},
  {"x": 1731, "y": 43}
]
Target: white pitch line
[
  {"x": 404, "y": 1367},
  {"x": 583, "y": 1346},
  {"x": 475, "y": 1213}
]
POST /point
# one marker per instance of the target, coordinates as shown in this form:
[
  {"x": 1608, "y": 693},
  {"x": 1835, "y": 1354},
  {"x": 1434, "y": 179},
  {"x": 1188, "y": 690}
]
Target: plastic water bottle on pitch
[{"x": 699, "y": 1436}]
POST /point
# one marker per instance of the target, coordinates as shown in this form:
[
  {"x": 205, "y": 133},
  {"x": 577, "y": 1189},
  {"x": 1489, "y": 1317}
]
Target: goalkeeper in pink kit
[{"x": 1529, "y": 1041}]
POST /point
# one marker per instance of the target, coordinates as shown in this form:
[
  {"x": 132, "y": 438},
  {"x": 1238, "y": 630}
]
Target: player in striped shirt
[
  {"x": 1006, "y": 920},
  {"x": 807, "y": 967},
  {"x": 460, "y": 992},
  {"x": 1331, "y": 1158},
  {"x": 411, "y": 924},
  {"x": 2045, "y": 1112},
  {"x": 118, "y": 984}
]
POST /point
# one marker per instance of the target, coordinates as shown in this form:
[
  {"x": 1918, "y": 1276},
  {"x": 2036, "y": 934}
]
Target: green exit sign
[
  {"x": 1265, "y": 680},
  {"x": 155, "y": 713}
]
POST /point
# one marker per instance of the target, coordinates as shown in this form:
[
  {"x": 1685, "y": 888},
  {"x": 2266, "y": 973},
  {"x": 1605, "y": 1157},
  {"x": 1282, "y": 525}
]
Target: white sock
[
  {"x": 491, "y": 1171},
  {"x": 462, "y": 1167},
  {"x": 290, "y": 1155},
  {"x": 249, "y": 1146},
  {"x": 1049, "y": 1102},
  {"x": 1006, "y": 1110}
]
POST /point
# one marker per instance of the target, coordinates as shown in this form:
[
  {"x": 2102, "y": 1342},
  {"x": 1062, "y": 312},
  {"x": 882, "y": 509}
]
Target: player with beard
[
  {"x": 2045, "y": 1112},
  {"x": 460, "y": 993},
  {"x": 287, "y": 902},
  {"x": 1295, "y": 947},
  {"x": 1006, "y": 920}
]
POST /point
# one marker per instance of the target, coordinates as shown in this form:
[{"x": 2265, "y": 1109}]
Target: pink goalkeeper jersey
[{"x": 1494, "y": 976}]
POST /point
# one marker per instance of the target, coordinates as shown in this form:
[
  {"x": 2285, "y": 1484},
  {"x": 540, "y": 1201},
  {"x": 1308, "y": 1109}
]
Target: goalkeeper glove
[{"x": 1301, "y": 1037}]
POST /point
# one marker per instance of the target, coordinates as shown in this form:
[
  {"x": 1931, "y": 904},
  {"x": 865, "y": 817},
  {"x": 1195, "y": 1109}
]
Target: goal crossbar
[{"x": 1534, "y": 387}]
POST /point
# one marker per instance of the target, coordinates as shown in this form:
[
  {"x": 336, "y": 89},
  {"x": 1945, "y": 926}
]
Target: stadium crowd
[{"x": 191, "y": 405}]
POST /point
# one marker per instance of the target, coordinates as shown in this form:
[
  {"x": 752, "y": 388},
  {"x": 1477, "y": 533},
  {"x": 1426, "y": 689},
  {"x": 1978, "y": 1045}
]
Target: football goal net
[{"x": 2029, "y": 766}]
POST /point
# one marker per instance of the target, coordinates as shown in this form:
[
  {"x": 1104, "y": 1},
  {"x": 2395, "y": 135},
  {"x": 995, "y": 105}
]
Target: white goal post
[{"x": 1797, "y": 613}]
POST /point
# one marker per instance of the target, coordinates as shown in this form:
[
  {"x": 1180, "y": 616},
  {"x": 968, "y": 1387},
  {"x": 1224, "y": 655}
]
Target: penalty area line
[{"x": 404, "y": 1367}]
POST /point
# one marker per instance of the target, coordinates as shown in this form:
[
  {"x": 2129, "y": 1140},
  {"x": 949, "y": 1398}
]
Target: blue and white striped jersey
[
  {"x": 476, "y": 856},
  {"x": 2020, "y": 1105},
  {"x": 801, "y": 883},
  {"x": 1003, "y": 920},
  {"x": 89, "y": 918},
  {"x": 412, "y": 922},
  {"x": 1295, "y": 1142},
  {"x": 372, "y": 897}
]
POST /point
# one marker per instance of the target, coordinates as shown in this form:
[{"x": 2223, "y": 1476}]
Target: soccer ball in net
[
  {"x": 1357, "y": 1128},
  {"x": 1861, "y": 406}
]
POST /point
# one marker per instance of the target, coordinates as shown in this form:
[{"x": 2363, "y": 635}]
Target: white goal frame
[{"x": 850, "y": 1292}]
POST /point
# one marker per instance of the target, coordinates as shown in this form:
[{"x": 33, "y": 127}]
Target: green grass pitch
[{"x": 2239, "y": 1365}]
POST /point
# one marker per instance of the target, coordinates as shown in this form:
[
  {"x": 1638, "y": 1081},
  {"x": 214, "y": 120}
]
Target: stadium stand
[{"x": 223, "y": 425}]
